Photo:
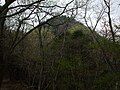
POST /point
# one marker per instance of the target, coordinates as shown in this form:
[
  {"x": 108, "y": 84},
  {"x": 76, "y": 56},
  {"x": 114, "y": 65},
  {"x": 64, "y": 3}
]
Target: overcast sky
[{"x": 115, "y": 8}]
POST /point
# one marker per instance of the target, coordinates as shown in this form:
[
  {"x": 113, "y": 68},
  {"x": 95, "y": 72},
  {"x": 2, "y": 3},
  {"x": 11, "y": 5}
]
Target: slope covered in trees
[{"x": 64, "y": 55}]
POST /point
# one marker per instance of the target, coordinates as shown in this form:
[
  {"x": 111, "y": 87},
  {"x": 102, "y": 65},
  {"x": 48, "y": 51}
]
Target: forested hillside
[
  {"x": 65, "y": 58},
  {"x": 42, "y": 48}
]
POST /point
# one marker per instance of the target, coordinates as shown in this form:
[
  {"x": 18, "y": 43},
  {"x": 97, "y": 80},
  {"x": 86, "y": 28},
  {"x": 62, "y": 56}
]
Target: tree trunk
[
  {"x": 2, "y": 61},
  {"x": 2, "y": 49},
  {"x": 2, "y": 68}
]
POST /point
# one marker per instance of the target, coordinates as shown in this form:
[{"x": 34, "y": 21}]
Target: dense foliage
[{"x": 69, "y": 60}]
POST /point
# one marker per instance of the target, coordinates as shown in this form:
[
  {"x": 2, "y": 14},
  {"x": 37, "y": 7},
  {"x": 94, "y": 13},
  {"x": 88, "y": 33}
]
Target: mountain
[{"x": 63, "y": 55}]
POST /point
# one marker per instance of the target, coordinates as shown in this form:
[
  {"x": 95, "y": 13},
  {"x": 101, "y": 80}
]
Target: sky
[
  {"x": 115, "y": 11},
  {"x": 115, "y": 6}
]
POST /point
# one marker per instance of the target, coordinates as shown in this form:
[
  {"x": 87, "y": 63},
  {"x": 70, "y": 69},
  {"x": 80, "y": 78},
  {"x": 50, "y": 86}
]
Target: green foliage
[
  {"x": 65, "y": 64},
  {"x": 69, "y": 61},
  {"x": 79, "y": 27},
  {"x": 77, "y": 34},
  {"x": 108, "y": 81}
]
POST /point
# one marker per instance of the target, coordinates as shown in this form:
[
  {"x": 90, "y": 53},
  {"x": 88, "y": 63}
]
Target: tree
[
  {"x": 26, "y": 16},
  {"x": 108, "y": 5}
]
